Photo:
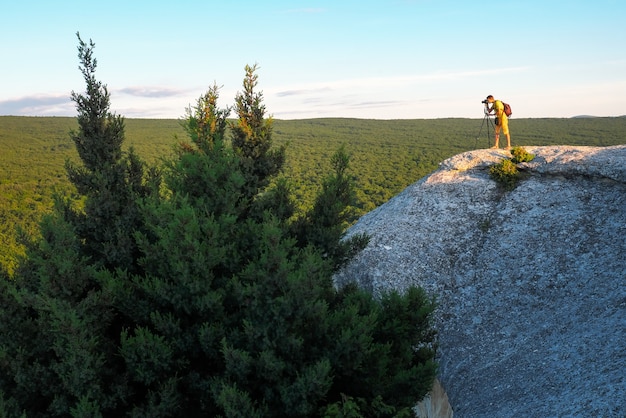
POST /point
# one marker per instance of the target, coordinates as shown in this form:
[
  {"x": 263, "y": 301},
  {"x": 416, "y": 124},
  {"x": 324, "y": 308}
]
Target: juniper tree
[
  {"x": 110, "y": 180},
  {"x": 252, "y": 137},
  {"x": 61, "y": 352},
  {"x": 239, "y": 317},
  {"x": 325, "y": 223},
  {"x": 227, "y": 309},
  {"x": 204, "y": 171}
]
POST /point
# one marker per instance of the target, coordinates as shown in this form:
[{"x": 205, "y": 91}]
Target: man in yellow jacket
[{"x": 502, "y": 121}]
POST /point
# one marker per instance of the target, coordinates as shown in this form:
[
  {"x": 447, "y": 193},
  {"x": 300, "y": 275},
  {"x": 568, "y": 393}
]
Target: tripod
[{"x": 486, "y": 121}]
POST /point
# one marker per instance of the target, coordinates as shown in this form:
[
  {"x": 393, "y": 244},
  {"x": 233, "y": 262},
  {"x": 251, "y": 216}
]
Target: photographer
[{"x": 501, "y": 122}]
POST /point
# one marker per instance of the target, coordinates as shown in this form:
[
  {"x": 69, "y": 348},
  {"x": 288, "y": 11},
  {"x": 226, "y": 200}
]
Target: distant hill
[{"x": 591, "y": 116}]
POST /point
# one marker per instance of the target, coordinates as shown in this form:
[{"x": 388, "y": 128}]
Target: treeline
[{"x": 386, "y": 155}]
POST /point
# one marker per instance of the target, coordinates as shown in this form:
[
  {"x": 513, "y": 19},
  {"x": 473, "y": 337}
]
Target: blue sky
[{"x": 387, "y": 59}]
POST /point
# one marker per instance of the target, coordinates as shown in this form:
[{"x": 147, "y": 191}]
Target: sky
[{"x": 385, "y": 59}]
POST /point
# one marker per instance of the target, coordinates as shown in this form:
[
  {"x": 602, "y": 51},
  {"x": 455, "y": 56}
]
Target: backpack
[{"x": 507, "y": 109}]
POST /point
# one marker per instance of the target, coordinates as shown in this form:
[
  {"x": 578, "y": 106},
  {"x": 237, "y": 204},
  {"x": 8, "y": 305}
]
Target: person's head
[{"x": 490, "y": 99}]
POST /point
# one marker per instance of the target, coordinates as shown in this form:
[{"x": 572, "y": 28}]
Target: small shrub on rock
[
  {"x": 505, "y": 173},
  {"x": 520, "y": 155}
]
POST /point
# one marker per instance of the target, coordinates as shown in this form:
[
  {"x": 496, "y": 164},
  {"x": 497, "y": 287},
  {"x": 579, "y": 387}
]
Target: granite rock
[{"x": 530, "y": 283}]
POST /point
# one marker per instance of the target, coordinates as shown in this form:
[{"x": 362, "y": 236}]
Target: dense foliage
[
  {"x": 385, "y": 156},
  {"x": 197, "y": 289}
]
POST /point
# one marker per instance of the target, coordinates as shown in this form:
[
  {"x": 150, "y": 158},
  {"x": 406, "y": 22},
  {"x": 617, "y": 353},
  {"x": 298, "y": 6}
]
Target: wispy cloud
[
  {"x": 389, "y": 81},
  {"x": 134, "y": 101},
  {"x": 40, "y": 105},
  {"x": 150, "y": 92},
  {"x": 437, "y": 76},
  {"x": 301, "y": 92},
  {"x": 376, "y": 104}
]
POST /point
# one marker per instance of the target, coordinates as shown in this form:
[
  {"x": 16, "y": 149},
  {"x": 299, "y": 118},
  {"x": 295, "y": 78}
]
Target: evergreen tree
[
  {"x": 111, "y": 181},
  {"x": 204, "y": 172},
  {"x": 56, "y": 349},
  {"x": 215, "y": 303},
  {"x": 252, "y": 137},
  {"x": 65, "y": 328},
  {"x": 325, "y": 224}
]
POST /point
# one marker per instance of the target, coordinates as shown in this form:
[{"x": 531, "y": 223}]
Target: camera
[{"x": 485, "y": 102}]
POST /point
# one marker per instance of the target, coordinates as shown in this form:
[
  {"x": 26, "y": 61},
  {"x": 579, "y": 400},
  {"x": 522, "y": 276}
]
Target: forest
[{"x": 386, "y": 156}]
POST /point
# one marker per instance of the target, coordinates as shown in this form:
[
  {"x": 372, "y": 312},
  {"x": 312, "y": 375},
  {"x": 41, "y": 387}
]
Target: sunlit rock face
[{"x": 531, "y": 283}]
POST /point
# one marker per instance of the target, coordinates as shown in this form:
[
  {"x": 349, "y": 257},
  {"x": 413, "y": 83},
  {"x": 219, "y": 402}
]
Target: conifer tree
[
  {"x": 218, "y": 305},
  {"x": 325, "y": 224},
  {"x": 62, "y": 355},
  {"x": 252, "y": 137},
  {"x": 111, "y": 180},
  {"x": 205, "y": 172}
]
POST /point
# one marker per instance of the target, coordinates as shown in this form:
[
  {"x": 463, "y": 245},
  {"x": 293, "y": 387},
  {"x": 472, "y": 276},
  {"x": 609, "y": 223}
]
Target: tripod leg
[
  {"x": 487, "y": 120},
  {"x": 488, "y": 141}
]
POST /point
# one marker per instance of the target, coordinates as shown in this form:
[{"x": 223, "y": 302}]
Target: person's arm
[{"x": 499, "y": 108}]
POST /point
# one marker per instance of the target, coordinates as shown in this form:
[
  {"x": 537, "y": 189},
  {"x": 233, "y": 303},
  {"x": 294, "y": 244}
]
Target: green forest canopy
[{"x": 386, "y": 155}]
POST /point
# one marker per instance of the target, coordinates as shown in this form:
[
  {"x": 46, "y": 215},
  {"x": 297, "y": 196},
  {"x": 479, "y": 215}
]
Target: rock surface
[{"x": 531, "y": 283}]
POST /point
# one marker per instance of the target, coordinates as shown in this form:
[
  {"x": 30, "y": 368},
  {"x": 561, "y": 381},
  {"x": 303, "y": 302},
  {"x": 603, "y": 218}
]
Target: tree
[
  {"x": 205, "y": 172},
  {"x": 58, "y": 307},
  {"x": 111, "y": 181},
  {"x": 252, "y": 137},
  {"x": 325, "y": 224},
  {"x": 224, "y": 307}
]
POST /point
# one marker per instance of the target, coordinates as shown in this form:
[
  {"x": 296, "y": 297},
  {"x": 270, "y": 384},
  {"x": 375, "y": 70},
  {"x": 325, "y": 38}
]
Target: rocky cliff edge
[{"x": 531, "y": 283}]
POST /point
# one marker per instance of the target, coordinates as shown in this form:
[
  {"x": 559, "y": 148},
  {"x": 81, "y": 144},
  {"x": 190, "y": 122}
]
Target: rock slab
[{"x": 531, "y": 283}]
